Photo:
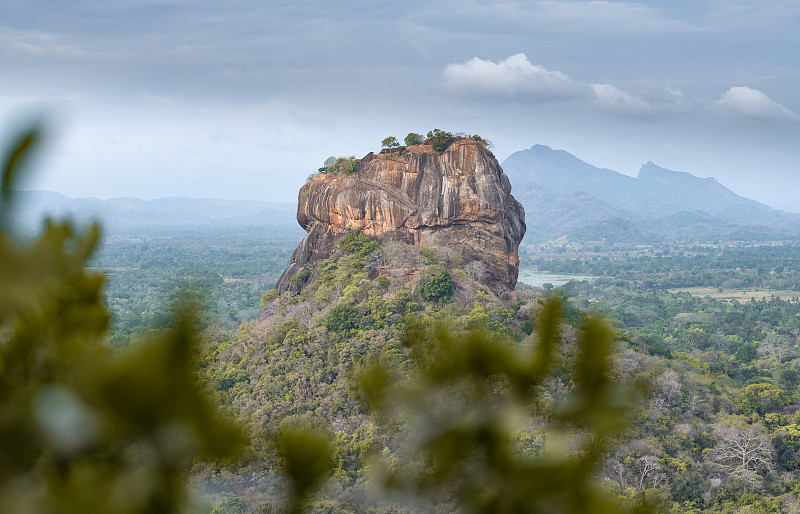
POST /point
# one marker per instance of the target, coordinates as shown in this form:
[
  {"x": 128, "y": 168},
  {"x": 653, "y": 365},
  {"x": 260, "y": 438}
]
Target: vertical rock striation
[{"x": 459, "y": 198}]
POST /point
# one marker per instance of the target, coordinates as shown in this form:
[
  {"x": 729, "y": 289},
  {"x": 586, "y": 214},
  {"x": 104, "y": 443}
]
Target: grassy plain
[{"x": 737, "y": 294}]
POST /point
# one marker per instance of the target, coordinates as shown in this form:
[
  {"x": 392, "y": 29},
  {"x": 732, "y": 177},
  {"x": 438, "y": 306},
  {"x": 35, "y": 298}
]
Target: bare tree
[
  {"x": 746, "y": 449},
  {"x": 476, "y": 269},
  {"x": 618, "y": 468},
  {"x": 374, "y": 260},
  {"x": 776, "y": 346},
  {"x": 648, "y": 467},
  {"x": 693, "y": 402},
  {"x": 666, "y": 391},
  {"x": 305, "y": 314}
]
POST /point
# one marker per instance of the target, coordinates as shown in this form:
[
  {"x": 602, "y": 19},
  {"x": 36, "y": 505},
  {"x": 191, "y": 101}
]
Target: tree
[
  {"x": 649, "y": 467},
  {"x": 687, "y": 487},
  {"x": 763, "y": 398},
  {"x": 746, "y": 448},
  {"x": 789, "y": 377},
  {"x": 327, "y": 165},
  {"x": 776, "y": 346},
  {"x": 746, "y": 352},
  {"x": 390, "y": 142},
  {"x": 340, "y": 165},
  {"x": 352, "y": 166},
  {"x": 437, "y": 287},
  {"x": 413, "y": 139},
  {"x": 485, "y": 142},
  {"x": 465, "y": 391},
  {"x": 360, "y": 245},
  {"x": 666, "y": 390},
  {"x": 342, "y": 318},
  {"x": 439, "y": 139}
]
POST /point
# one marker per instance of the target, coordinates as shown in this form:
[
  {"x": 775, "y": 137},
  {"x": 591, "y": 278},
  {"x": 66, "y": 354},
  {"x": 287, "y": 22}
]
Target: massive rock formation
[{"x": 459, "y": 198}]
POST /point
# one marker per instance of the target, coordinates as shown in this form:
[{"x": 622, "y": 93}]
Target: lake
[{"x": 534, "y": 278}]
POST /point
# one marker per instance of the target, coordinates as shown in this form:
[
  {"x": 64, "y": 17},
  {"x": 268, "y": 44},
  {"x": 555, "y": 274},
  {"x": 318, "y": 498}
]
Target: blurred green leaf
[
  {"x": 464, "y": 403},
  {"x": 306, "y": 456},
  {"x": 85, "y": 428}
]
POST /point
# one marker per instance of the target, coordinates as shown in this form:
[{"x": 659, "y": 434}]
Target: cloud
[
  {"x": 612, "y": 17},
  {"x": 659, "y": 100},
  {"x": 596, "y": 17},
  {"x": 745, "y": 102},
  {"x": 515, "y": 76},
  {"x": 37, "y": 44}
]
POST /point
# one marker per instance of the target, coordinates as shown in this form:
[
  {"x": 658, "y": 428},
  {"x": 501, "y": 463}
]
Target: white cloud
[
  {"x": 745, "y": 102},
  {"x": 659, "y": 101},
  {"x": 515, "y": 76}
]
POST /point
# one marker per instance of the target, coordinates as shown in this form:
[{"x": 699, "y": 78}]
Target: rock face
[{"x": 459, "y": 198}]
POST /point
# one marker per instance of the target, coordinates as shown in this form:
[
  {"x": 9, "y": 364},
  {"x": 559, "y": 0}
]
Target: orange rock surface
[{"x": 459, "y": 198}]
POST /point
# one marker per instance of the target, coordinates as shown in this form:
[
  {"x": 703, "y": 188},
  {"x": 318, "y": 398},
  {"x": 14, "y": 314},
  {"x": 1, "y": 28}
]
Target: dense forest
[
  {"x": 716, "y": 430},
  {"x": 148, "y": 274}
]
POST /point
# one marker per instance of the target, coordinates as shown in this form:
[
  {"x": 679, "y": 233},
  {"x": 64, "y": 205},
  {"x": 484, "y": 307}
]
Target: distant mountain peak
[
  {"x": 651, "y": 170},
  {"x": 656, "y": 192}
]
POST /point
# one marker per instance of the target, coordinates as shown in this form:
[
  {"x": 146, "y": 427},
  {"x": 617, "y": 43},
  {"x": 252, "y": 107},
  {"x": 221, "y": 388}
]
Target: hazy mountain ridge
[
  {"x": 564, "y": 195},
  {"x": 125, "y": 213}
]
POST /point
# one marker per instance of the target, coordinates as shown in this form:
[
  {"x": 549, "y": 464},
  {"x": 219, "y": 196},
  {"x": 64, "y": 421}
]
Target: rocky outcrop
[{"x": 459, "y": 198}]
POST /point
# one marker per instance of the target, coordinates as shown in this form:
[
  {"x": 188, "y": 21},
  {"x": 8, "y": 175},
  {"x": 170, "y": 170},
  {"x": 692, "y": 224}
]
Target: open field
[{"x": 736, "y": 294}]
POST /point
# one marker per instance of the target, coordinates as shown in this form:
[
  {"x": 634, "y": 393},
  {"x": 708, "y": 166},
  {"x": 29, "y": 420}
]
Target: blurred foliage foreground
[{"x": 87, "y": 428}]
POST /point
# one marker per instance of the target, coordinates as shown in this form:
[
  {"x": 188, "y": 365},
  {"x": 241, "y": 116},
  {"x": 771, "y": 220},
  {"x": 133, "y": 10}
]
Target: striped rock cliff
[{"x": 458, "y": 198}]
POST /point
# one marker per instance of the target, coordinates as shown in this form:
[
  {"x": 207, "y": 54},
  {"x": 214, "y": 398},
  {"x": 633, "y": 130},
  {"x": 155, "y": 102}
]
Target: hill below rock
[{"x": 458, "y": 199}]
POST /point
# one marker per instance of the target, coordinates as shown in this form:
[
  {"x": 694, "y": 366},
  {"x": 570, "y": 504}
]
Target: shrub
[
  {"x": 439, "y": 139},
  {"x": 428, "y": 255},
  {"x": 747, "y": 352},
  {"x": 299, "y": 279},
  {"x": 438, "y": 287},
  {"x": 687, "y": 487},
  {"x": 342, "y": 318},
  {"x": 358, "y": 244},
  {"x": 268, "y": 296},
  {"x": 340, "y": 165},
  {"x": 485, "y": 142},
  {"x": 326, "y": 166}
]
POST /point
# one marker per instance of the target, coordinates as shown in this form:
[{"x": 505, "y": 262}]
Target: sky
[{"x": 245, "y": 98}]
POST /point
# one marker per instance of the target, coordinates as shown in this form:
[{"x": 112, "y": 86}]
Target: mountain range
[
  {"x": 565, "y": 196},
  {"x": 126, "y": 215},
  {"x": 562, "y": 196}
]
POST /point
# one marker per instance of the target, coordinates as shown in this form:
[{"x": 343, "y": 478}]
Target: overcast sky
[{"x": 243, "y": 99}]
